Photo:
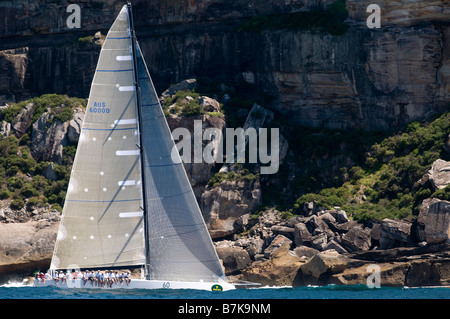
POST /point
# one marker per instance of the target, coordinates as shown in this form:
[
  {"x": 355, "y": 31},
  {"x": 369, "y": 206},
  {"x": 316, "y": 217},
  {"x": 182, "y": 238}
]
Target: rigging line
[
  {"x": 185, "y": 225},
  {"x": 117, "y": 38},
  {"x": 128, "y": 240},
  {"x": 139, "y": 116},
  {"x": 120, "y": 117},
  {"x": 151, "y": 104},
  {"x": 169, "y": 196},
  {"x": 177, "y": 234},
  {"x": 119, "y": 189},
  {"x": 162, "y": 165}
]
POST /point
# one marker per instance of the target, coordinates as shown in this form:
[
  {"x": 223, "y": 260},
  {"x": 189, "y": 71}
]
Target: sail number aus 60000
[{"x": 99, "y": 107}]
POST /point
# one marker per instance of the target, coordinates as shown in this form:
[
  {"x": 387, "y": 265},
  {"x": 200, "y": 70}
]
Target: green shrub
[
  {"x": 60, "y": 103},
  {"x": 57, "y": 207},
  {"x": 28, "y": 190},
  {"x": 11, "y": 171},
  {"x": 443, "y": 194},
  {"x": 15, "y": 183},
  {"x": 10, "y": 113},
  {"x": 62, "y": 114},
  {"x": 17, "y": 204},
  {"x": 5, "y": 194},
  {"x": 8, "y": 146},
  {"x": 33, "y": 202},
  {"x": 387, "y": 174},
  {"x": 243, "y": 175}
]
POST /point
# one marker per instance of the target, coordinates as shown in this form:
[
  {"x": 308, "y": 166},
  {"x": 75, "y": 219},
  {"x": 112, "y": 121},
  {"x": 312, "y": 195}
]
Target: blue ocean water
[{"x": 17, "y": 291}]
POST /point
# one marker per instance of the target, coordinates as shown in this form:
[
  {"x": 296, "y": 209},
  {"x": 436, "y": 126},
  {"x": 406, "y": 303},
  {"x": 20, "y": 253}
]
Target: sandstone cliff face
[
  {"x": 64, "y": 65},
  {"x": 366, "y": 78},
  {"x": 25, "y": 246}
]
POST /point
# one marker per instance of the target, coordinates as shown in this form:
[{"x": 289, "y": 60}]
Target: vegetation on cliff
[
  {"x": 384, "y": 180},
  {"x": 22, "y": 177},
  {"x": 370, "y": 175}
]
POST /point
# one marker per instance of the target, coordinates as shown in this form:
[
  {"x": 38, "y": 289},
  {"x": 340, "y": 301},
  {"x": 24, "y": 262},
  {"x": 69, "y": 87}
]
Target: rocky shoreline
[
  {"x": 292, "y": 252},
  {"x": 325, "y": 247}
]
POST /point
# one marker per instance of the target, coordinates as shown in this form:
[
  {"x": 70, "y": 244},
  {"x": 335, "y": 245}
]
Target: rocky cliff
[
  {"x": 316, "y": 245},
  {"x": 357, "y": 78},
  {"x": 365, "y": 78}
]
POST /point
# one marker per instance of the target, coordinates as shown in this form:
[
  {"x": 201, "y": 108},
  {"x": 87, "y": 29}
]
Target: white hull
[{"x": 140, "y": 284}]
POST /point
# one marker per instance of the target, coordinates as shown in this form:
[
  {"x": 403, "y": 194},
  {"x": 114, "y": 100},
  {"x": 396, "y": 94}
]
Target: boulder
[
  {"x": 319, "y": 241},
  {"x": 280, "y": 270},
  {"x": 49, "y": 172},
  {"x": 394, "y": 233},
  {"x": 328, "y": 218},
  {"x": 209, "y": 104},
  {"x": 225, "y": 203},
  {"x": 302, "y": 235},
  {"x": 324, "y": 263},
  {"x": 252, "y": 245},
  {"x": 311, "y": 208},
  {"x": 317, "y": 225},
  {"x": 437, "y": 223},
  {"x": 234, "y": 259},
  {"x": 23, "y": 246},
  {"x": 305, "y": 251},
  {"x": 276, "y": 243},
  {"x": 283, "y": 230},
  {"x": 188, "y": 84},
  {"x": 357, "y": 238},
  {"x": 241, "y": 223},
  {"x": 332, "y": 244},
  {"x": 341, "y": 216},
  {"x": 439, "y": 174},
  {"x": 5, "y": 129},
  {"x": 345, "y": 227},
  {"x": 419, "y": 226},
  {"x": 375, "y": 233},
  {"x": 74, "y": 129},
  {"x": 391, "y": 274},
  {"x": 48, "y": 140},
  {"x": 23, "y": 120}
]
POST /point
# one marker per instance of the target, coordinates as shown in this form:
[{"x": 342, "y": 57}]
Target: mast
[{"x": 141, "y": 148}]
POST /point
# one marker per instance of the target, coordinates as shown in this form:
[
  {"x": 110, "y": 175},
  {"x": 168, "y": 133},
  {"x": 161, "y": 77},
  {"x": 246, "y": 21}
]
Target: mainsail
[
  {"x": 180, "y": 247},
  {"x": 102, "y": 222},
  {"x": 105, "y": 221}
]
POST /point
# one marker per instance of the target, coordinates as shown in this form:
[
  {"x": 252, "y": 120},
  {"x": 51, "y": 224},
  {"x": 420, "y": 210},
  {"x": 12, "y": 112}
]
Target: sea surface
[
  {"x": 19, "y": 291},
  {"x": 265, "y": 302}
]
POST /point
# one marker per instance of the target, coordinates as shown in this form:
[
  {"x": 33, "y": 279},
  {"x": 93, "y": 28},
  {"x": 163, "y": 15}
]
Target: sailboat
[{"x": 129, "y": 204}]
